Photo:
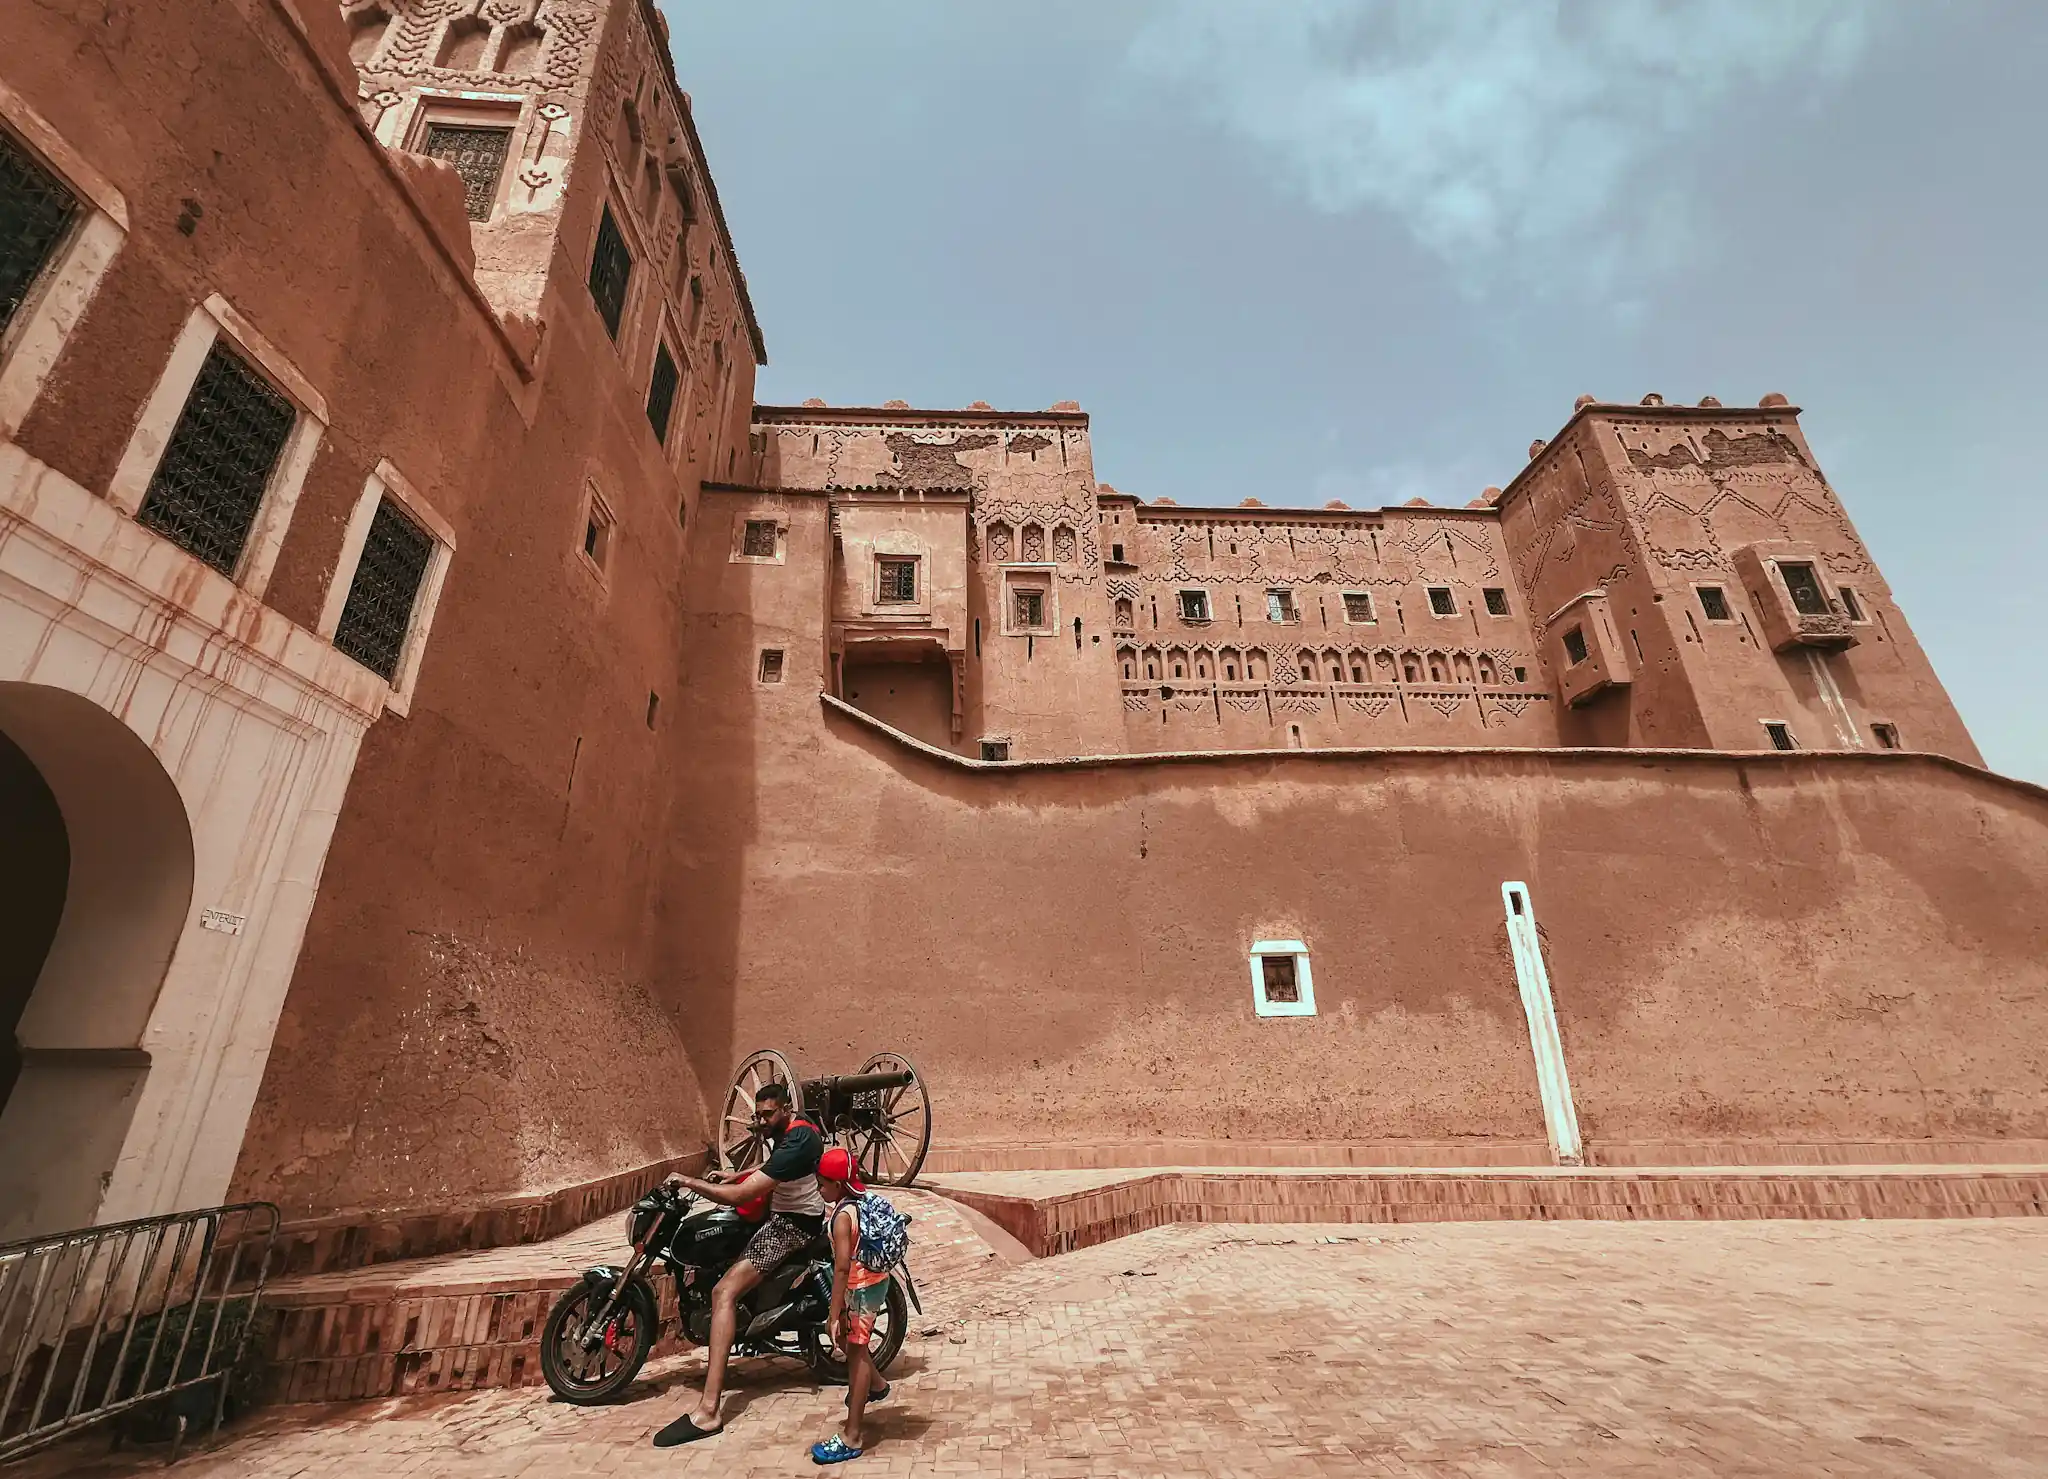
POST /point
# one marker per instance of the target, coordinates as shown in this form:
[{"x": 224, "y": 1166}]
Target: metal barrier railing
[{"x": 97, "y": 1321}]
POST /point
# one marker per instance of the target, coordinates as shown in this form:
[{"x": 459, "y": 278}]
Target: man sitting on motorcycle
[{"x": 796, "y": 1215}]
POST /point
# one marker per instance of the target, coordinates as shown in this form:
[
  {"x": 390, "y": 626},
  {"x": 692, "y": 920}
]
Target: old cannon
[{"x": 883, "y": 1114}]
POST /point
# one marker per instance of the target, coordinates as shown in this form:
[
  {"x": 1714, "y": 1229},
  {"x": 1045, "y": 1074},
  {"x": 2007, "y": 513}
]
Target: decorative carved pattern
[
  {"x": 1138, "y": 703},
  {"x": 1298, "y": 703},
  {"x": 1246, "y": 702},
  {"x": 569, "y": 33},
  {"x": 1371, "y": 705},
  {"x": 1446, "y": 704}
]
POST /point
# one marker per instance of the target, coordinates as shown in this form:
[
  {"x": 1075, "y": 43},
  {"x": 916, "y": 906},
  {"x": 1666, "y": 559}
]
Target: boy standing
[{"x": 859, "y": 1293}]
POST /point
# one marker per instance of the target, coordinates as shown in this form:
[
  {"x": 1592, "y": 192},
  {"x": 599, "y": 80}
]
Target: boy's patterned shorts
[{"x": 867, "y": 1295}]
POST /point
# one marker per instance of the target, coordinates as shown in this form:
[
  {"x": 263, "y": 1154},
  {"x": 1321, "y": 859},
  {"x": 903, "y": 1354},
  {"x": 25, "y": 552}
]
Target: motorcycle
[{"x": 601, "y": 1330}]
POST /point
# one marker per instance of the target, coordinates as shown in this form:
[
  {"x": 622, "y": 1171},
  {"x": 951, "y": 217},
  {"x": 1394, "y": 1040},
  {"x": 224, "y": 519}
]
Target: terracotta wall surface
[
  {"x": 1742, "y": 947},
  {"x": 480, "y": 1005}
]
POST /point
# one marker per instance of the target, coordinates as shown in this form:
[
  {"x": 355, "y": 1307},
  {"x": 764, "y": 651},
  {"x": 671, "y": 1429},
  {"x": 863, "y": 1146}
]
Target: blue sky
[{"x": 1368, "y": 249}]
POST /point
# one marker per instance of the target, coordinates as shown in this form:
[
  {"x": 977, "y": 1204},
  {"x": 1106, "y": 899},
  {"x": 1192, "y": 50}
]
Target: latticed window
[
  {"x": 758, "y": 543},
  {"x": 611, "y": 268},
  {"x": 661, "y": 393},
  {"x": 1277, "y": 976},
  {"x": 210, "y": 482},
  {"x": 898, "y": 580},
  {"x": 1030, "y": 607},
  {"x": 381, "y": 598},
  {"x": 35, "y": 212},
  {"x": 1357, "y": 606},
  {"x": 1442, "y": 602},
  {"x": 1496, "y": 601},
  {"x": 478, "y": 155},
  {"x": 1804, "y": 589},
  {"x": 1280, "y": 606}
]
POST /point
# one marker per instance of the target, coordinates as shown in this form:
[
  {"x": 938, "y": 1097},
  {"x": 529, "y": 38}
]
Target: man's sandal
[
  {"x": 834, "y": 1450},
  {"x": 682, "y": 1431}
]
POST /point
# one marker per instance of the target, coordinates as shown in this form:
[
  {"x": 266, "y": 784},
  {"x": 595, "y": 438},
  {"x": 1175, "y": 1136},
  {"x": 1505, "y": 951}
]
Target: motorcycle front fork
[{"x": 593, "y": 1328}]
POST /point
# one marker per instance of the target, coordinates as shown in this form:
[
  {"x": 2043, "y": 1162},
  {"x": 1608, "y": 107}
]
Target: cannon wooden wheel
[
  {"x": 891, "y": 1146},
  {"x": 741, "y": 1146}
]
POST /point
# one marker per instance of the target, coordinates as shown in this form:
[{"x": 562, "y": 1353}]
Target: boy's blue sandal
[{"x": 834, "y": 1450}]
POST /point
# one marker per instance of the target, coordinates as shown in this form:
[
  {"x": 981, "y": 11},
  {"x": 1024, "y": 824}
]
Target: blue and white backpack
[{"x": 884, "y": 1232}]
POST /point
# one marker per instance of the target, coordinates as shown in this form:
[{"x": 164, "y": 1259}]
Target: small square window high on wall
[
  {"x": 896, "y": 581},
  {"x": 1280, "y": 607},
  {"x": 1358, "y": 607},
  {"x": 770, "y": 669},
  {"x": 1194, "y": 606},
  {"x": 1496, "y": 601},
  {"x": 1887, "y": 736},
  {"x": 1282, "y": 984},
  {"x": 1575, "y": 645},
  {"x": 758, "y": 542},
  {"x": 611, "y": 269},
  {"x": 1714, "y": 603},
  {"x": 1030, "y": 608},
  {"x": 1442, "y": 602},
  {"x": 1780, "y": 735},
  {"x": 1803, "y": 586}
]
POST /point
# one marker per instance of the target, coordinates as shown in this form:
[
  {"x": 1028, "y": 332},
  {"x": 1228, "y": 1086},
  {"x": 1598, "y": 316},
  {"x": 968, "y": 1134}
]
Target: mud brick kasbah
[{"x": 445, "y": 721}]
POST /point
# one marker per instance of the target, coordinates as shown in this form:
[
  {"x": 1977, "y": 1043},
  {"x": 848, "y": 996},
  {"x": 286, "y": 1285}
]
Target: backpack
[{"x": 884, "y": 1232}]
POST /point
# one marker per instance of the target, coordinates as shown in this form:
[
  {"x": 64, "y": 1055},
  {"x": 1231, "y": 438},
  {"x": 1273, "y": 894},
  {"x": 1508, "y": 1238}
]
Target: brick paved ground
[{"x": 1688, "y": 1349}]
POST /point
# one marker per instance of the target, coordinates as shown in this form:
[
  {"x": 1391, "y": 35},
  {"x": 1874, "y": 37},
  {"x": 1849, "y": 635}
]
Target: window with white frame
[
  {"x": 61, "y": 224},
  {"x": 222, "y": 447},
  {"x": 1358, "y": 607},
  {"x": 381, "y": 601},
  {"x": 1194, "y": 606},
  {"x": 1282, "y": 985}
]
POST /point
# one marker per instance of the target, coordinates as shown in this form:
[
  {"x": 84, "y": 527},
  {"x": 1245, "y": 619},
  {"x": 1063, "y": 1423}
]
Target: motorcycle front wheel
[
  {"x": 596, "y": 1368},
  {"x": 891, "y": 1325}
]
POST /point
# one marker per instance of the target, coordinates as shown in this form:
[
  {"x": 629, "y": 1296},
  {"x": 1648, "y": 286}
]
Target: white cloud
[{"x": 1493, "y": 129}]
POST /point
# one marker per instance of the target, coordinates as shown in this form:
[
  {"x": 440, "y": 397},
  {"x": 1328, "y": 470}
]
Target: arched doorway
[{"x": 97, "y": 882}]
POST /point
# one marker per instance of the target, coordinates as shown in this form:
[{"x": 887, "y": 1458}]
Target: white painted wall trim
[
  {"x": 73, "y": 275},
  {"x": 1303, "y": 980},
  {"x": 166, "y": 403},
  {"x": 1560, "y": 1117}
]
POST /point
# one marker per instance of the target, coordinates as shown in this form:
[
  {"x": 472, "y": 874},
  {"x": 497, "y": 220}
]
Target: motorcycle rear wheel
[
  {"x": 590, "y": 1377},
  {"x": 891, "y": 1325}
]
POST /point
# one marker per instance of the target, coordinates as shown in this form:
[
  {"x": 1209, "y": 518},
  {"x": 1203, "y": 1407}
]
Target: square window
[
  {"x": 1029, "y": 608},
  {"x": 1521, "y": 675},
  {"x": 1496, "y": 601},
  {"x": 1442, "y": 602},
  {"x": 1282, "y": 989},
  {"x": 611, "y": 269},
  {"x": 995, "y": 749},
  {"x": 1194, "y": 605},
  {"x": 770, "y": 670},
  {"x": 1280, "y": 607},
  {"x": 478, "y": 155},
  {"x": 211, "y": 479},
  {"x": 1116, "y": 554},
  {"x": 897, "y": 581},
  {"x": 1575, "y": 645},
  {"x": 36, "y": 212},
  {"x": 661, "y": 392},
  {"x": 1714, "y": 603},
  {"x": 1282, "y": 985},
  {"x": 378, "y": 614},
  {"x": 1781, "y": 735},
  {"x": 1887, "y": 736},
  {"x": 1803, "y": 586},
  {"x": 597, "y": 530},
  {"x": 758, "y": 542},
  {"x": 1851, "y": 607},
  {"x": 1358, "y": 606}
]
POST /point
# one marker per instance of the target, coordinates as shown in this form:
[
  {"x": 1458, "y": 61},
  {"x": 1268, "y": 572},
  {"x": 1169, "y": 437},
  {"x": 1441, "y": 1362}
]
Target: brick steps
[{"x": 1053, "y": 1212}]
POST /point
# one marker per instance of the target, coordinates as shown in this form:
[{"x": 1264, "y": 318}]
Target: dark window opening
[
  {"x": 1887, "y": 736},
  {"x": 1781, "y": 736},
  {"x": 1496, "y": 601},
  {"x": 1357, "y": 606},
  {"x": 1521, "y": 675},
  {"x": 1442, "y": 602},
  {"x": 771, "y": 665},
  {"x": 1714, "y": 603},
  {"x": 1852, "y": 606},
  {"x": 1116, "y": 553},
  {"x": 898, "y": 580},
  {"x": 1575, "y": 645},
  {"x": 478, "y": 155},
  {"x": 1194, "y": 605},
  {"x": 1804, "y": 588},
  {"x": 211, "y": 480},
  {"x": 611, "y": 268},
  {"x": 378, "y": 614},
  {"x": 995, "y": 749},
  {"x": 1276, "y": 975},
  {"x": 653, "y": 707},
  {"x": 35, "y": 213},
  {"x": 758, "y": 542},
  {"x": 1280, "y": 606},
  {"x": 661, "y": 392},
  {"x": 1030, "y": 607}
]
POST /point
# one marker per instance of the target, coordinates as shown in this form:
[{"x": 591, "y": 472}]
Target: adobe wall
[
  {"x": 482, "y": 1004},
  {"x": 1406, "y": 676},
  {"x": 1761, "y": 948}
]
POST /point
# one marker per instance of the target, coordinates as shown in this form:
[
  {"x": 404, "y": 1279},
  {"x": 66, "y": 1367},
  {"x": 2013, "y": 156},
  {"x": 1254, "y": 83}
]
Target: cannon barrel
[{"x": 861, "y": 1083}]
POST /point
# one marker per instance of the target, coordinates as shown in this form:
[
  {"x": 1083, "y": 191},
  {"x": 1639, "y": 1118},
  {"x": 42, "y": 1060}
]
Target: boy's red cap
[{"x": 837, "y": 1164}]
